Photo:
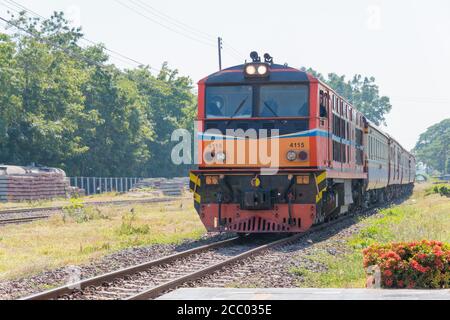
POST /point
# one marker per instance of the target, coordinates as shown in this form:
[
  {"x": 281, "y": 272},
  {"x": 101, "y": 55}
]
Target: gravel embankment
[
  {"x": 273, "y": 268},
  {"x": 269, "y": 270},
  {"x": 22, "y": 287}
]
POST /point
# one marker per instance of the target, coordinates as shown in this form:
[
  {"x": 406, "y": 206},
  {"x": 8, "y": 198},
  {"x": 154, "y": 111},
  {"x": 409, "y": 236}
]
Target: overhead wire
[
  {"x": 177, "y": 22},
  {"x": 114, "y": 54},
  {"x": 177, "y": 26},
  {"x": 161, "y": 24}
]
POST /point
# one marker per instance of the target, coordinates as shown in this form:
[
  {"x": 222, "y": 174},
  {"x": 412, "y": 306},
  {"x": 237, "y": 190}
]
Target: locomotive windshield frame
[{"x": 236, "y": 99}]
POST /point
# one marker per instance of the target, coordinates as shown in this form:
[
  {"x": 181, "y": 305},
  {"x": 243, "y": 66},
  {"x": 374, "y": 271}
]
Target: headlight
[
  {"x": 250, "y": 70},
  {"x": 262, "y": 70},
  {"x": 257, "y": 70},
  {"x": 212, "y": 180},
  {"x": 221, "y": 157},
  {"x": 303, "y": 156},
  {"x": 291, "y": 155}
]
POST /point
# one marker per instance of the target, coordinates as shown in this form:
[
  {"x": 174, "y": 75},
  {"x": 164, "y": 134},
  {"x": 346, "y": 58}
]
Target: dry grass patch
[{"x": 79, "y": 236}]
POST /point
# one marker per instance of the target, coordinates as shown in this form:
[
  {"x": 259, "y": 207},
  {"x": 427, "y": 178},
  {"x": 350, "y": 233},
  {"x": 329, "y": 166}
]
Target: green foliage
[
  {"x": 77, "y": 211},
  {"x": 433, "y": 147},
  {"x": 441, "y": 189},
  {"x": 362, "y": 92},
  {"x": 129, "y": 227},
  {"x": 75, "y": 205},
  {"x": 63, "y": 105},
  {"x": 342, "y": 272}
]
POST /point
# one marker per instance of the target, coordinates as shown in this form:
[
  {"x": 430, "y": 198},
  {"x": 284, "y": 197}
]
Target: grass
[
  {"x": 424, "y": 216},
  {"x": 85, "y": 233},
  {"x": 111, "y": 196}
]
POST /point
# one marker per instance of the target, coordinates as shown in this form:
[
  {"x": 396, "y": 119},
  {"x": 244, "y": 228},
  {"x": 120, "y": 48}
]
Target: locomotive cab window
[
  {"x": 323, "y": 105},
  {"x": 229, "y": 102},
  {"x": 284, "y": 101}
]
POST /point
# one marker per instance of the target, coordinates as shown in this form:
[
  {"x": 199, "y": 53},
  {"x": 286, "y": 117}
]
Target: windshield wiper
[
  {"x": 238, "y": 109},
  {"x": 271, "y": 110}
]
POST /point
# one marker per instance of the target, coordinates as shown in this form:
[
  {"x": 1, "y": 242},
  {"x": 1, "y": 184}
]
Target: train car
[
  {"x": 319, "y": 165},
  {"x": 402, "y": 170},
  {"x": 391, "y": 169},
  {"x": 378, "y": 164}
]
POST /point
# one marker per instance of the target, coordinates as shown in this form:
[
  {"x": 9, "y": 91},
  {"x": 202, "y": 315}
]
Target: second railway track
[
  {"x": 22, "y": 220},
  {"x": 25, "y": 215},
  {"x": 153, "y": 279}
]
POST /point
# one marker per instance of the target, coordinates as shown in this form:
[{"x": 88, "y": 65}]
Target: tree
[
  {"x": 10, "y": 98},
  {"x": 50, "y": 100},
  {"x": 66, "y": 106},
  {"x": 361, "y": 91},
  {"x": 170, "y": 105},
  {"x": 433, "y": 147}
]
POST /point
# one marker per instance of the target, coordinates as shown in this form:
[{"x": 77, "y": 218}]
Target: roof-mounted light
[
  {"x": 250, "y": 70},
  {"x": 257, "y": 70}
]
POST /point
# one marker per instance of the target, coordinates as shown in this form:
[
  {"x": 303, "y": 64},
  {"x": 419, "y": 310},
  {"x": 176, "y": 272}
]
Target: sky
[{"x": 404, "y": 44}]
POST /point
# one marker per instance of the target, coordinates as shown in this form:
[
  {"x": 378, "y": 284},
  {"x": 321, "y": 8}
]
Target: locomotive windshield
[
  {"x": 229, "y": 102},
  {"x": 274, "y": 101},
  {"x": 284, "y": 101}
]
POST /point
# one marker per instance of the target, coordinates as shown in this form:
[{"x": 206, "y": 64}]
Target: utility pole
[{"x": 220, "y": 46}]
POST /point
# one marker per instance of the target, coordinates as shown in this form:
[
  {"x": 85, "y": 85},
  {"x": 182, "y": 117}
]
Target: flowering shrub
[{"x": 416, "y": 265}]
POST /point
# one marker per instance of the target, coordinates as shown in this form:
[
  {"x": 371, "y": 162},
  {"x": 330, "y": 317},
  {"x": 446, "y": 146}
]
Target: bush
[
  {"x": 78, "y": 212},
  {"x": 128, "y": 227},
  {"x": 416, "y": 265},
  {"x": 442, "y": 189}
]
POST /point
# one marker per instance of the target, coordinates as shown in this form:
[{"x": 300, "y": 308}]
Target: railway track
[
  {"x": 28, "y": 212},
  {"x": 155, "y": 278},
  {"x": 22, "y": 220}
]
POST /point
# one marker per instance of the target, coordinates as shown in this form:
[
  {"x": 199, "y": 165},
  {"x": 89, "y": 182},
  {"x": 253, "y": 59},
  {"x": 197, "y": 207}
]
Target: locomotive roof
[{"x": 278, "y": 72}]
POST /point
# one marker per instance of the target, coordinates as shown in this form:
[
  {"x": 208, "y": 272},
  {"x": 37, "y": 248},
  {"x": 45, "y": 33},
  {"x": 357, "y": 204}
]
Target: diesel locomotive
[{"x": 322, "y": 158}]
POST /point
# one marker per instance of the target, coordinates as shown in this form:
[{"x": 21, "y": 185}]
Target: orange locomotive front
[{"x": 266, "y": 151}]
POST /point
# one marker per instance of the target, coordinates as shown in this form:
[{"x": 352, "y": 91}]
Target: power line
[
  {"x": 177, "y": 26},
  {"x": 123, "y": 58},
  {"x": 54, "y": 45},
  {"x": 174, "y": 21},
  {"x": 163, "y": 25},
  {"x": 74, "y": 54},
  {"x": 238, "y": 53},
  {"x": 233, "y": 52}
]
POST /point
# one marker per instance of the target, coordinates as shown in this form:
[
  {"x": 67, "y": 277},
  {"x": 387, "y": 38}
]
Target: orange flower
[{"x": 388, "y": 273}]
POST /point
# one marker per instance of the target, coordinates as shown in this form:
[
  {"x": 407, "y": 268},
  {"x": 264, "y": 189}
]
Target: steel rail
[
  {"x": 99, "y": 280},
  {"x": 154, "y": 292},
  {"x": 97, "y": 203},
  {"x": 22, "y": 220}
]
